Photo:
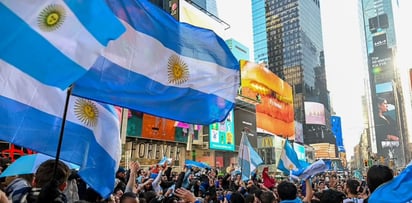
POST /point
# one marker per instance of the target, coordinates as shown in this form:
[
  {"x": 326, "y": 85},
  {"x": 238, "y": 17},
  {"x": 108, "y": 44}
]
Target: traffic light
[{"x": 365, "y": 163}]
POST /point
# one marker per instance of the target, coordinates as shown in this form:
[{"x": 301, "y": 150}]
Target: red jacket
[{"x": 267, "y": 180}]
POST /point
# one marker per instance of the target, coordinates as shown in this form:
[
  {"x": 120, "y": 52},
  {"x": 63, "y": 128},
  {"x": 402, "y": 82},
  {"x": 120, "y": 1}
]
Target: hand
[
  {"x": 186, "y": 195},
  {"x": 134, "y": 166}
]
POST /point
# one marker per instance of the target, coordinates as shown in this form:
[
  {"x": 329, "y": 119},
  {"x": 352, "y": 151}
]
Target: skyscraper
[
  {"x": 387, "y": 125},
  {"x": 294, "y": 49},
  {"x": 208, "y": 5},
  {"x": 259, "y": 31}
]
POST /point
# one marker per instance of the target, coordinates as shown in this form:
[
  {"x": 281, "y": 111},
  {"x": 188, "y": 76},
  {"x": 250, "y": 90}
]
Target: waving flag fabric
[
  {"x": 32, "y": 116},
  {"x": 197, "y": 164},
  {"x": 398, "y": 190},
  {"x": 55, "y": 41},
  {"x": 165, "y": 160},
  {"x": 249, "y": 159},
  {"x": 308, "y": 171},
  {"x": 165, "y": 68},
  {"x": 288, "y": 159}
]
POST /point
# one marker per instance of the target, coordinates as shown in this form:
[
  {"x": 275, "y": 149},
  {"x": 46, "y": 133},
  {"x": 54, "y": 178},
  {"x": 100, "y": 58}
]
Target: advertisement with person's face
[{"x": 386, "y": 126}]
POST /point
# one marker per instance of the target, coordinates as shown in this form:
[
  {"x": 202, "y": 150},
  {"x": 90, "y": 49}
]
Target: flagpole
[
  {"x": 242, "y": 144},
  {"x": 59, "y": 145},
  {"x": 50, "y": 190}
]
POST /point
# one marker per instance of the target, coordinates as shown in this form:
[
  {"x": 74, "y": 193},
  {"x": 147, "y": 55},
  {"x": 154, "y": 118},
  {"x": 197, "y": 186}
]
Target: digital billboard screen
[
  {"x": 314, "y": 113},
  {"x": 222, "y": 134},
  {"x": 387, "y": 130},
  {"x": 274, "y": 111}
]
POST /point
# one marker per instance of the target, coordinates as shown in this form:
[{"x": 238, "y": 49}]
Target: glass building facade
[
  {"x": 295, "y": 53},
  {"x": 259, "y": 31},
  {"x": 387, "y": 124},
  {"x": 208, "y": 5}
]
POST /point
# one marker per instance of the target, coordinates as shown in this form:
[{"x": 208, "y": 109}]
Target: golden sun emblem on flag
[
  {"x": 51, "y": 17},
  {"x": 291, "y": 167},
  {"x": 178, "y": 72},
  {"x": 86, "y": 111}
]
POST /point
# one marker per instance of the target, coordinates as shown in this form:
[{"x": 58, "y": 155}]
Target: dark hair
[
  {"x": 353, "y": 186},
  {"x": 237, "y": 197},
  {"x": 267, "y": 197},
  {"x": 45, "y": 173},
  {"x": 378, "y": 174},
  {"x": 127, "y": 195},
  {"x": 332, "y": 196},
  {"x": 249, "y": 198},
  {"x": 287, "y": 190}
]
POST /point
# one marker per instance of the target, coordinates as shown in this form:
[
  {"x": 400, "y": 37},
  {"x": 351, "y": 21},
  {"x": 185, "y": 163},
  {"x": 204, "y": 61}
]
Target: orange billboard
[
  {"x": 274, "y": 112},
  {"x": 158, "y": 128}
]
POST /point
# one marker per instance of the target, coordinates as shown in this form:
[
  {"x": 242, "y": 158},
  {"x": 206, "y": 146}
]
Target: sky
[{"x": 345, "y": 68}]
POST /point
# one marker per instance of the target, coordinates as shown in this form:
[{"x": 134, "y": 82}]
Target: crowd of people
[{"x": 161, "y": 184}]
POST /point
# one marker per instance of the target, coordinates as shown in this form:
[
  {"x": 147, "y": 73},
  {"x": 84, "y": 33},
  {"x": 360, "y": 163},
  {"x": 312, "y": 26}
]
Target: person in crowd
[
  {"x": 376, "y": 176},
  {"x": 339, "y": 188},
  {"x": 19, "y": 187},
  {"x": 121, "y": 178},
  {"x": 129, "y": 197},
  {"x": 352, "y": 190},
  {"x": 231, "y": 168},
  {"x": 288, "y": 192},
  {"x": 268, "y": 181},
  {"x": 48, "y": 185},
  {"x": 332, "y": 196}
]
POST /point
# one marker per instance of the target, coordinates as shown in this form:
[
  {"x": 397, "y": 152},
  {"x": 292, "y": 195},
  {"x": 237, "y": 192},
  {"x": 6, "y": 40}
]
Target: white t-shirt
[{"x": 353, "y": 200}]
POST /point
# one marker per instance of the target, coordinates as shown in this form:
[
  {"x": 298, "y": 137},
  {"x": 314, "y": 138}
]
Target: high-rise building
[
  {"x": 388, "y": 121},
  {"x": 208, "y": 5},
  {"x": 259, "y": 31},
  {"x": 238, "y": 49},
  {"x": 294, "y": 51}
]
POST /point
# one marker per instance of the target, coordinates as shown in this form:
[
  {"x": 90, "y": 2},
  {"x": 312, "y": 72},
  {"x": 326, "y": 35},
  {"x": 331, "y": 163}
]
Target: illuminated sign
[{"x": 222, "y": 134}]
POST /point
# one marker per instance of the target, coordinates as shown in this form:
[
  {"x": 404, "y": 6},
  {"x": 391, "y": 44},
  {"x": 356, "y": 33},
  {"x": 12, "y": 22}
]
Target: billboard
[
  {"x": 387, "y": 131},
  {"x": 222, "y": 134},
  {"x": 274, "y": 112},
  {"x": 298, "y": 132},
  {"x": 245, "y": 122},
  {"x": 337, "y": 131},
  {"x": 141, "y": 125},
  {"x": 158, "y": 128},
  {"x": 384, "y": 102},
  {"x": 270, "y": 148},
  {"x": 188, "y": 13},
  {"x": 314, "y": 113}
]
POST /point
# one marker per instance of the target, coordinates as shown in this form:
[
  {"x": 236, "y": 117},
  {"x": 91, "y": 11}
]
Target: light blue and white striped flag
[
  {"x": 55, "y": 41},
  {"x": 288, "y": 159},
  {"x": 249, "y": 159},
  {"x": 32, "y": 115},
  {"x": 397, "y": 190},
  {"x": 310, "y": 170},
  {"x": 163, "y": 67},
  {"x": 164, "y": 160}
]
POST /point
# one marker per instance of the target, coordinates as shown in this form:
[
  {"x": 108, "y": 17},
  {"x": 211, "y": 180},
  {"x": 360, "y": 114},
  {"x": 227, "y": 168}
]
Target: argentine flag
[
  {"x": 249, "y": 159},
  {"x": 397, "y": 190},
  {"x": 288, "y": 159},
  {"x": 55, "y": 41},
  {"x": 32, "y": 115},
  {"x": 163, "y": 67}
]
